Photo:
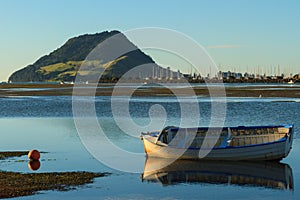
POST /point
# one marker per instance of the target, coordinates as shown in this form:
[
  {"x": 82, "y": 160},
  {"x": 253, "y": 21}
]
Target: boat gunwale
[{"x": 237, "y": 127}]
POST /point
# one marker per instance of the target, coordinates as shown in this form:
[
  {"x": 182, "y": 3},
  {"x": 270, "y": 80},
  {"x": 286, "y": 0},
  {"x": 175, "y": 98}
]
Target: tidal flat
[
  {"x": 164, "y": 89},
  {"x": 17, "y": 184}
]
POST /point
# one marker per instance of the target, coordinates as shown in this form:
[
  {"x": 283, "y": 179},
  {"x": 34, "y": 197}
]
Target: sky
[{"x": 238, "y": 34}]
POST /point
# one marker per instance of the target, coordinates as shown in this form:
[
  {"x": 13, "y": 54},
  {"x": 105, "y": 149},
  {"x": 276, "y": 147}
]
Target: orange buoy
[
  {"x": 34, "y": 155},
  {"x": 34, "y": 165}
]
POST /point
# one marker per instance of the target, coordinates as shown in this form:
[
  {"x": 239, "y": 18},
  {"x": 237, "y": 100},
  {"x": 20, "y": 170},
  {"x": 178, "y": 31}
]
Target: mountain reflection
[{"x": 251, "y": 174}]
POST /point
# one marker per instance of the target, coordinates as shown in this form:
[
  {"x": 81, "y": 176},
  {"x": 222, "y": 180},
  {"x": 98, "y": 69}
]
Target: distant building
[
  {"x": 231, "y": 75},
  {"x": 249, "y": 76},
  {"x": 168, "y": 73},
  {"x": 238, "y": 75},
  {"x": 186, "y": 76},
  {"x": 179, "y": 74}
]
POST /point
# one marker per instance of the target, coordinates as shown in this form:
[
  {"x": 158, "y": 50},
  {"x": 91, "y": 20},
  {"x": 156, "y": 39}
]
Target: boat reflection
[{"x": 252, "y": 174}]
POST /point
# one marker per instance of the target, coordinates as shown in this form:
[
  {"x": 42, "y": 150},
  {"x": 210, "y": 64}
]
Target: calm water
[{"x": 46, "y": 123}]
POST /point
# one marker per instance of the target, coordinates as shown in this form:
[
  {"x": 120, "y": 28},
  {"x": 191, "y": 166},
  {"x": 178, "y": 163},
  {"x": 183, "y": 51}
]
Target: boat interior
[{"x": 222, "y": 137}]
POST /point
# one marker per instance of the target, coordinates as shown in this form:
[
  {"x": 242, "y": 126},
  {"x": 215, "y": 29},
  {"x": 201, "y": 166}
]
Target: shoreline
[{"x": 247, "y": 90}]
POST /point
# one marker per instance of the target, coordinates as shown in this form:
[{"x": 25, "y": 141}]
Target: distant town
[
  {"x": 167, "y": 74},
  {"x": 158, "y": 74}
]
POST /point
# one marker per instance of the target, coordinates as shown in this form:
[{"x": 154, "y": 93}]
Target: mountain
[{"x": 63, "y": 63}]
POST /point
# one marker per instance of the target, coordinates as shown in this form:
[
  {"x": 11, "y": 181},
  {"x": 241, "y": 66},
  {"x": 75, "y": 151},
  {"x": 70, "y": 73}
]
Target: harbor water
[{"x": 46, "y": 123}]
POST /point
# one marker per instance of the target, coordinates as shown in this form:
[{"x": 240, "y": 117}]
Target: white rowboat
[{"x": 230, "y": 143}]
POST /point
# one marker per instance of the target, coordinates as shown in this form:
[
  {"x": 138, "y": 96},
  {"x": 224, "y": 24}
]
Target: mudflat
[
  {"x": 280, "y": 90},
  {"x": 16, "y": 184}
]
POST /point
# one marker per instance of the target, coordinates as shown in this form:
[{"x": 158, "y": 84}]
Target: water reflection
[
  {"x": 252, "y": 174},
  {"x": 34, "y": 165}
]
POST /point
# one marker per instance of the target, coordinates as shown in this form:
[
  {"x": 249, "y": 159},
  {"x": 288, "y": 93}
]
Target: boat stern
[{"x": 290, "y": 138}]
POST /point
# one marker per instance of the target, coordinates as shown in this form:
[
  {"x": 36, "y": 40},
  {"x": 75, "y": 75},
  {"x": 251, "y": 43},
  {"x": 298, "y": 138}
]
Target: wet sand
[{"x": 292, "y": 91}]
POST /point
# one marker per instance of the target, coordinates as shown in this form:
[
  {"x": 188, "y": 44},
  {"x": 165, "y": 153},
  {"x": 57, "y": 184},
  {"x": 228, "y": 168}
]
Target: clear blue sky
[{"x": 236, "y": 33}]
